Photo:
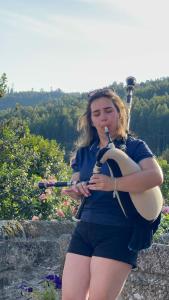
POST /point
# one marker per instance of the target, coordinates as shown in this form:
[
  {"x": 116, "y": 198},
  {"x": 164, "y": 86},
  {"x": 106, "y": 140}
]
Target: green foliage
[
  {"x": 164, "y": 225},
  {"x": 3, "y": 85},
  {"x": 150, "y": 88},
  {"x": 153, "y": 124},
  {"x": 66, "y": 209},
  {"x": 26, "y": 159},
  {"x": 51, "y": 120},
  {"x": 48, "y": 293},
  {"x": 54, "y": 114},
  {"x": 163, "y": 228},
  {"x": 165, "y": 186},
  {"x": 165, "y": 155}
]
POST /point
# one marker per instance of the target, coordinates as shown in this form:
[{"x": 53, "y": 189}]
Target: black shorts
[{"x": 109, "y": 241}]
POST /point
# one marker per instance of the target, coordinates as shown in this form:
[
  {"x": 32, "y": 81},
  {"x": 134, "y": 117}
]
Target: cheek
[
  {"x": 118, "y": 122},
  {"x": 94, "y": 122},
  {"x": 115, "y": 121},
  {"x": 116, "y": 117}
]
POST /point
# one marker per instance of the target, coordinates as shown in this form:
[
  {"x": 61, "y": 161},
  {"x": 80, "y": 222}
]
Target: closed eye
[
  {"x": 108, "y": 110},
  {"x": 97, "y": 113}
]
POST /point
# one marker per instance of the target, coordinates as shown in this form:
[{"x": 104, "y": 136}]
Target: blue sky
[{"x": 80, "y": 45}]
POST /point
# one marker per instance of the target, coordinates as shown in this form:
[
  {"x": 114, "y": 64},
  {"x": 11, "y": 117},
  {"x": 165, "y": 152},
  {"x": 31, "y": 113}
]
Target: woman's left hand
[{"x": 101, "y": 182}]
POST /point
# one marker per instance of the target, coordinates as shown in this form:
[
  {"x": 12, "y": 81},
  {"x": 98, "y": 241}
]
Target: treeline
[
  {"x": 144, "y": 90},
  {"x": 28, "y": 98},
  {"x": 50, "y": 120},
  {"x": 54, "y": 114},
  {"x": 150, "y": 121}
]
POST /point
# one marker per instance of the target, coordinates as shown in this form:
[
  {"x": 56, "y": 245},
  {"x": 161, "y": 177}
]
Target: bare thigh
[
  {"x": 107, "y": 278},
  {"x": 76, "y": 277}
]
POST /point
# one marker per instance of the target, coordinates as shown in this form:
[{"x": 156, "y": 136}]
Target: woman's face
[{"x": 104, "y": 114}]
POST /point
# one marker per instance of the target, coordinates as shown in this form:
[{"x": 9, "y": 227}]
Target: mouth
[{"x": 106, "y": 129}]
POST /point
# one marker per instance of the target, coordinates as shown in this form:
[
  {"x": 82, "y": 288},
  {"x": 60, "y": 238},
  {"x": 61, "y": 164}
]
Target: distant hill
[
  {"x": 54, "y": 114},
  {"x": 144, "y": 90},
  {"x": 30, "y": 98}
]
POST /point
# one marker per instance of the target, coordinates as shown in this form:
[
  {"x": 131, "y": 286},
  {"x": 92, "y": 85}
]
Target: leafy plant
[
  {"x": 165, "y": 186},
  {"x": 164, "y": 226},
  {"x": 48, "y": 293},
  {"x": 26, "y": 159}
]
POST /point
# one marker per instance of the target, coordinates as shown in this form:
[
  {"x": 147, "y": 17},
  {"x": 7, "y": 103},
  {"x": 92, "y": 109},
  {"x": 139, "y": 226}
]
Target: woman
[{"x": 99, "y": 258}]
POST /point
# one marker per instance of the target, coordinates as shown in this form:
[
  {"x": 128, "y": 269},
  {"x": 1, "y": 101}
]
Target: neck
[
  {"x": 104, "y": 141},
  {"x": 103, "y": 144}
]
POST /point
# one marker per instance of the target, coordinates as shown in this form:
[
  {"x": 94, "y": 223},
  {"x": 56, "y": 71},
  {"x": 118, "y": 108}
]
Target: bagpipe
[{"x": 148, "y": 204}]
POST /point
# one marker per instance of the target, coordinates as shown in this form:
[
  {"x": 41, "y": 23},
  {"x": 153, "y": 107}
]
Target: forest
[
  {"x": 54, "y": 114},
  {"x": 38, "y": 133}
]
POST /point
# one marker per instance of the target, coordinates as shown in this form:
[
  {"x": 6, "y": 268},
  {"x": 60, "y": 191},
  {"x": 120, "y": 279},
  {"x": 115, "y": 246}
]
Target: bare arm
[{"x": 150, "y": 176}]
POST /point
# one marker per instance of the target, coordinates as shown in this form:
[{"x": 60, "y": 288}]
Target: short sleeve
[
  {"x": 76, "y": 161},
  {"x": 137, "y": 149},
  {"x": 142, "y": 151}
]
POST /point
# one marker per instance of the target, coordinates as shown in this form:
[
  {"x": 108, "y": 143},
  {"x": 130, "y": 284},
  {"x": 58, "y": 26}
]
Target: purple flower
[
  {"x": 55, "y": 279},
  {"x": 58, "y": 282},
  {"x": 165, "y": 210},
  {"x": 50, "y": 277},
  {"x": 25, "y": 288}
]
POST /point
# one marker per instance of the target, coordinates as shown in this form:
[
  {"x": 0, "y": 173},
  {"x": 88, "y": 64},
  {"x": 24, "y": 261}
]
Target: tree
[
  {"x": 3, "y": 85},
  {"x": 165, "y": 155}
]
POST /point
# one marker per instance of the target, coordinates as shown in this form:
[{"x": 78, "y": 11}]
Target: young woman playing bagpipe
[{"x": 115, "y": 175}]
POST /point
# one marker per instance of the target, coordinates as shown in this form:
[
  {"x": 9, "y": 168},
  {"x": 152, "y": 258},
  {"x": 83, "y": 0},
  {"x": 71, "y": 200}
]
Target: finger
[
  {"x": 95, "y": 181},
  {"x": 82, "y": 187},
  {"x": 95, "y": 176},
  {"x": 99, "y": 176},
  {"x": 86, "y": 189},
  {"x": 75, "y": 188},
  {"x": 94, "y": 187}
]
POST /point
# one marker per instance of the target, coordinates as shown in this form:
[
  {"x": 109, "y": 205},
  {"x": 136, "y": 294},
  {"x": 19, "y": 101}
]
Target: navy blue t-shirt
[{"x": 101, "y": 207}]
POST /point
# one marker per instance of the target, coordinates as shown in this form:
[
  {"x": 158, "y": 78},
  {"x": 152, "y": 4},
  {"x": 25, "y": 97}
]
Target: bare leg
[
  {"x": 76, "y": 277},
  {"x": 107, "y": 278}
]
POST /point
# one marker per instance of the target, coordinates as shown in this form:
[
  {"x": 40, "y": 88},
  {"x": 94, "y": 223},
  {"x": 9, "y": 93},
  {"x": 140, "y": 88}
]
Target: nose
[{"x": 103, "y": 116}]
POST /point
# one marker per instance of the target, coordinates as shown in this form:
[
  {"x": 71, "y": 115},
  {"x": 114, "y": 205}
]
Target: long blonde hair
[{"x": 88, "y": 133}]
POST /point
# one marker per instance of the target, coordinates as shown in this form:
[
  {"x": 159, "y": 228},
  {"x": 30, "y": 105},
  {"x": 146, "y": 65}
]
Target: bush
[
  {"x": 164, "y": 226},
  {"x": 165, "y": 186},
  {"x": 26, "y": 159}
]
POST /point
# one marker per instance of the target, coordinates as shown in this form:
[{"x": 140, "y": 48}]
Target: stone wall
[{"x": 31, "y": 250}]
